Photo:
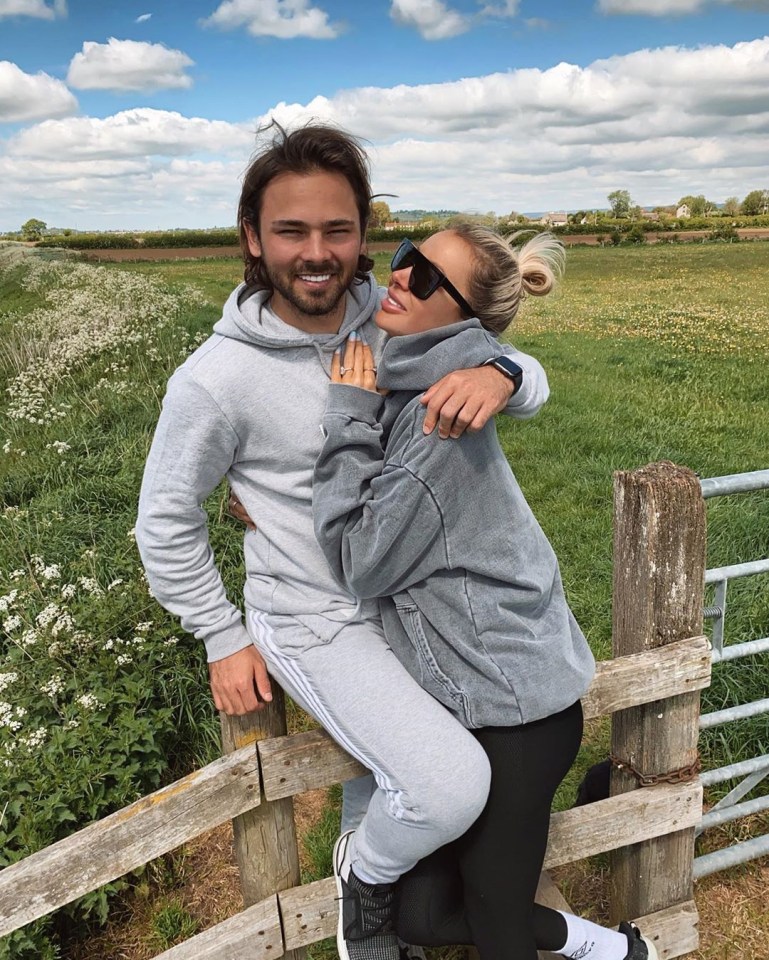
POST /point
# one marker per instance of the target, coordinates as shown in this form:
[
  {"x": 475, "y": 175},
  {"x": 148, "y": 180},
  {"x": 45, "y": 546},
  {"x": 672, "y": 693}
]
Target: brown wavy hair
[{"x": 309, "y": 149}]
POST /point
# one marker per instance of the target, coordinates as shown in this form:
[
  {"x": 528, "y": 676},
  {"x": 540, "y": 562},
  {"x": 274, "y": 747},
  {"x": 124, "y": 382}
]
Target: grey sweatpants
[{"x": 432, "y": 777}]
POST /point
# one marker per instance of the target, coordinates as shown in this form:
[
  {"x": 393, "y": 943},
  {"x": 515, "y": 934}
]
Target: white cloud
[
  {"x": 432, "y": 18},
  {"x": 128, "y": 65},
  {"x": 141, "y": 132},
  {"x": 285, "y": 19},
  {"x": 33, "y": 8},
  {"x": 668, "y": 122},
  {"x": 665, "y": 8},
  {"x": 143, "y": 18},
  {"x": 660, "y": 123},
  {"x": 25, "y": 96},
  {"x": 508, "y": 8}
]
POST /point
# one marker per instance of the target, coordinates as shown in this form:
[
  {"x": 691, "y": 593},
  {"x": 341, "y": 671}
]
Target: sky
[{"x": 142, "y": 114}]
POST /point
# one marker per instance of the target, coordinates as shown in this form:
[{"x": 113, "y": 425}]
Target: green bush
[
  {"x": 724, "y": 232},
  {"x": 174, "y": 239}
]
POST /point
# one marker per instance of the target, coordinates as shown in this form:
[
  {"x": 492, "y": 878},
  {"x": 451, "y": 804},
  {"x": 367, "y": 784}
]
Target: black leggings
[{"x": 480, "y": 888}]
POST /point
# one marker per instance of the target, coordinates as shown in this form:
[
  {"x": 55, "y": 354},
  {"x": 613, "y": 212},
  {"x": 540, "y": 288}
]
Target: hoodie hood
[
  {"x": 418, "y": 360},
  {"x": 247, "y": 317}
]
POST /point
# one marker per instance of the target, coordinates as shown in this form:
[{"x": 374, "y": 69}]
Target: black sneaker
[
  {"x": 639, "y": 948},
  {"x": 364, "y": 930}
]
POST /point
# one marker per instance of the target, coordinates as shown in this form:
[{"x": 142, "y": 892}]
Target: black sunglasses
[{"x": 425, "y": 277}]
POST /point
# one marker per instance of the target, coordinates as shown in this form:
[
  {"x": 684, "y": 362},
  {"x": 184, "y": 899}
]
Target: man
[{"x": 248, "y": 405}]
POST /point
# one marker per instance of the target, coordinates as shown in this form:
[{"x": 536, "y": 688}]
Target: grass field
[{"x": 652, "y": 353}]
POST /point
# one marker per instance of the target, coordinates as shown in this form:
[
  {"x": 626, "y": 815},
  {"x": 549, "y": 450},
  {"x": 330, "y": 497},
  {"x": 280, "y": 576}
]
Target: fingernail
[
  {"x": 361, "y": 337},
  {"x": 338, "y": 352},
  {"x": 353, "y": 335}
]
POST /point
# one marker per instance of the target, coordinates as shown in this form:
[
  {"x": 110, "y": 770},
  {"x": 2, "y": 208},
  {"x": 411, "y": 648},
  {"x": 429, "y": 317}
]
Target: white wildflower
[
  {"x": 52, "y": 572},
  {"x": 89, "y": 702},
  {"x": 58, "y": 445},
  {"x": 8, "y": 600},
  {"x": 17, "y": 574},
  {"x": 62, "y": 623},
  {"x": 115, "y": 583},
  {"x": 144, "y": 627},
  {"x": 170, "y": 642},
  {"x": 34, "y": 739},
  {"x": 54, "y": 686},
  {"x": 48, "y": 614},
  {"x": 72, "y": 724},
  {"x": 90, "y": 585},
  {"x": 12, "y": 623},
  {"x": 7, "y": 446},
  {"x": 123, "y": 659},
  {"x": 6, "y": 679},
  {"x": 109, "y": 644},
  {"x": 68, "y": 591},
  {"x": 29, "y": 638}
]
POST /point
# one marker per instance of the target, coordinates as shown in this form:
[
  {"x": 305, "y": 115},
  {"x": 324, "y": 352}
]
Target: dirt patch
[{"x": 163, "y": 253}]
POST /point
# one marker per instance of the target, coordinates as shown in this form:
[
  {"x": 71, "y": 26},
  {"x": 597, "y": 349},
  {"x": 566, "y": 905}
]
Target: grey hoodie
[
  {"x": 473, "y": 603},
  {"x": 248, "y": 405}
]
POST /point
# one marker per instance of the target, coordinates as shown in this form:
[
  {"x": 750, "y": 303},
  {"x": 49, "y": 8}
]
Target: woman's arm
[{"x": 379, "y": 526}]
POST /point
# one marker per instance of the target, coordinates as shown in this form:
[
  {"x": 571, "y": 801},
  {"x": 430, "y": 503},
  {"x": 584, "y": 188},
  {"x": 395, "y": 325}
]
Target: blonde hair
[{"x": 504, "y": 273}]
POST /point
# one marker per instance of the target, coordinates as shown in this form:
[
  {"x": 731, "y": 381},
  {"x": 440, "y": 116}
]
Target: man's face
[{"x": 309, "y": 241}]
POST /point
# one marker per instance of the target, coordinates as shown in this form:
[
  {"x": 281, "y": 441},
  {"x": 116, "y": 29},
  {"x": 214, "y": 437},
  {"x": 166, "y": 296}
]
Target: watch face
[{"x": 510, "y": 369}]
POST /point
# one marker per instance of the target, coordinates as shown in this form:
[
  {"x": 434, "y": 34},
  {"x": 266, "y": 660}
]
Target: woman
[{"x": 470, "y": 591}]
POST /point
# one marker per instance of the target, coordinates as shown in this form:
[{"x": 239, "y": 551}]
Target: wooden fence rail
[
  {"x": 651, "y": 688},
  {"x": 284, "y": 766}
]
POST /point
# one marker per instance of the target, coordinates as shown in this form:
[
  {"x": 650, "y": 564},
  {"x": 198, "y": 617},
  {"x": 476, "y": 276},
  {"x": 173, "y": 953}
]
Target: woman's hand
[{"x": 353, "y": 365}]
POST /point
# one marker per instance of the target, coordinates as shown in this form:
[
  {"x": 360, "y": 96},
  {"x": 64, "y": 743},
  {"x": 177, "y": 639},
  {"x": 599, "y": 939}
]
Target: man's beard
[{"x": 312, "y": 304}]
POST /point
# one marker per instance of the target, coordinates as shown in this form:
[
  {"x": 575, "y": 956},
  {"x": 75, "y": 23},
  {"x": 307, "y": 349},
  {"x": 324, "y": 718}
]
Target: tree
[
  {"x": 756, "y": 202},
  {"x": 698, "y": 206},
  {"x": 620, "y": 203},
  {"x": 33, "y": 229},
  {"x": 731, "y": 206},
  {"x": 380, "y": 213}
]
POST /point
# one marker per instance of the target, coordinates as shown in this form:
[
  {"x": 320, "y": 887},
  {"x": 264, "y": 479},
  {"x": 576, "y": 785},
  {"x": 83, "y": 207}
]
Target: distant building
[
  {"x": 683, "y": 211},
  {"x": 555, "y": 219},
  {"x": 650, "y": 215},
  {"x": 407, "y": 225}
]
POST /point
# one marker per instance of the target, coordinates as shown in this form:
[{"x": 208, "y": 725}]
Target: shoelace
[{"x": 372, "y": 908}]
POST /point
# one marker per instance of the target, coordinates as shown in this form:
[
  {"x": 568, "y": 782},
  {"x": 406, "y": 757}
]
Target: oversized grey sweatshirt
[
  {"x": 248, "y": 405},
  {"x": 469, "y": 586}
]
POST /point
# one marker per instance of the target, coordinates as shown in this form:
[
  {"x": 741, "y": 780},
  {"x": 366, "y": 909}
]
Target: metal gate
[{"x": 752, "y": 771}]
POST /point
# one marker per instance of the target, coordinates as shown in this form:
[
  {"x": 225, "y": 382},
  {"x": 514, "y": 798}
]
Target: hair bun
[{"x": 541, "y": 262}]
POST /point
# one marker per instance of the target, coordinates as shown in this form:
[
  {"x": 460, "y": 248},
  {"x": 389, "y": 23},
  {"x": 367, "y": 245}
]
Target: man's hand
[
  {"x": 240, "y": 683},
  {"x": 236, "y": 509},
  {"x": 465, "y": 400}
]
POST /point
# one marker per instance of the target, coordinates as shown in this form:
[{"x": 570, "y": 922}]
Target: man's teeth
[{"x": 315, "y": 277}]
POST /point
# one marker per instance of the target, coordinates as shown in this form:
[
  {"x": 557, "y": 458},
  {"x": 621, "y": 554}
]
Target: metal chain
[{"x": 681, "y": 775}]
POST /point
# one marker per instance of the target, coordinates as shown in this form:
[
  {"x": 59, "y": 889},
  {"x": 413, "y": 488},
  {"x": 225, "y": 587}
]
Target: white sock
[{"x": 586, "y": 940}]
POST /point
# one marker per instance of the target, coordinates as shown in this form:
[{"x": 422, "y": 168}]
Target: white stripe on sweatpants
[{"x": 302, "y": 691}]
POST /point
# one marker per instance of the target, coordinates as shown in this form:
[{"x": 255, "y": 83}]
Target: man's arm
[
  {"x": 193, "y": 448},
  {"x": 467, "y": 399}
]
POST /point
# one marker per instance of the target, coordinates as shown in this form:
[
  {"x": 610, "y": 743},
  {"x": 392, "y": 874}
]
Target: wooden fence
[{"x": 651, "y": 689}]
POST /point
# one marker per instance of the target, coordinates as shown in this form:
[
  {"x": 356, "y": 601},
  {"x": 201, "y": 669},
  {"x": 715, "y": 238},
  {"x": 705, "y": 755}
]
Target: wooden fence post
[
  {"x": 659, "y": 566},
  {"x": 265, "y": 837}
]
